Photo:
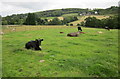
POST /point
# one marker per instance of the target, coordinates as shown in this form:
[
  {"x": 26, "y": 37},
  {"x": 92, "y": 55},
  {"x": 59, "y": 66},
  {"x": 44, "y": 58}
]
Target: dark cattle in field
[
  {"x": 61, "y": 32},
  {"x": 107, "y": 28},
  {"x": 79, "y": 28},
  {"x": 74, "y": 34},
  {"x": 34, "y": 44}
]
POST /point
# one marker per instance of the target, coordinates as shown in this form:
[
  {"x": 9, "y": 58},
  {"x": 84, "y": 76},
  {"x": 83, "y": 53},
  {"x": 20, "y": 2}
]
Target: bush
[
  {"x": 71, "y": 24},
  {"x": 78, "y": 24},
  {"x": 55, "y": 21},
  {"x": 67, "y": 24},
  {"x": 111, "y": 22}
]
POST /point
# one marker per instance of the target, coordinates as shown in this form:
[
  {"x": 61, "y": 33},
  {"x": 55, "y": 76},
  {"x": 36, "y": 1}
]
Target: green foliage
[
  {"x": 69, "y": 19},
  {"x": 55, "y": 21},
  {"x": 70, "y": 14},
  {"x": 82, "y": 23},
  {"x": 111, "y": 10},
  {"x": 67, "y": 24},
  {"x": 78, "y": 24},
  {"x": 31, "y": 19},
  {"x": 19, "y": 19},
  {"x": 4, "y": 22},
  {"x": 111, "y": 22},
  {"x": 40, "y": 21},
  {"x": 66, "y": 20},
  {"x": 71, "y": 24},
  {"x": 14, "y": 19},
  {"x": 92, "y": 22},
  {"x": 59, "y": 12}
]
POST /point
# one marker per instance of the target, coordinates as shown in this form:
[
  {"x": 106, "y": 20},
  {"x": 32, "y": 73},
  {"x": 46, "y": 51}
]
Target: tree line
[
  {"x": 18, "y": 19},
  {"x": 111, "y": 22},
  {"x": 32, "y": 19}
]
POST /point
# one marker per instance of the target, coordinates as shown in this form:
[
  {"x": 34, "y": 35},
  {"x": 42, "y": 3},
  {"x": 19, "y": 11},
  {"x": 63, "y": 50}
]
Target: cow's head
[{"x": 38, "y": 41}]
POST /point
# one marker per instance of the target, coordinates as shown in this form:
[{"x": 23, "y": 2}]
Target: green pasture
[
  {"x": 82, "y": 18},
  {"x": 92, "y": 54},
  {"x": 71, "y": 14},
  {"x": 48, "y": 17}
]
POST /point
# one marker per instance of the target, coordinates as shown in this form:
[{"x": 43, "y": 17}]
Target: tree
[
  {"x": 67, "y": 24},
  {"x": 82, "y": 23},
  {"x": 71, "y": 24},
  {"x": 46, "y": 21},
  {"x": 40, "y": 21},
  {"x": 112, "y": 22},
  {"x": 78, "y": 24},
  {"x": 30, "y": 20},
  {"x": 4, "y": 22},
  {"x": 55, "y": 21},
  {"x": 69, "y": 19},
  {"x": 92, "y": 22}
]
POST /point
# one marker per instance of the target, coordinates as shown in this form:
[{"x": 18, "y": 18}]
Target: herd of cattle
[{"x": 35, "y": 45}]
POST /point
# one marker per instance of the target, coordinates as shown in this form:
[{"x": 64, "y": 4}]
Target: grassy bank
[{"x": 91, "y": 54}]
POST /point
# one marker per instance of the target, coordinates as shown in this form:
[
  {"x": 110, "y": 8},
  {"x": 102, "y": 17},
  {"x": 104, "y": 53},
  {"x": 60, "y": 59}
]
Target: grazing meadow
[{"x": 93, "y": 54}]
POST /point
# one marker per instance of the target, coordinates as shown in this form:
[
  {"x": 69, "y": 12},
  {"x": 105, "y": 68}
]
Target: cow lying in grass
[
  {"x": 61, "y": 32},
  {"x": 34, "y": 44},
  {"x": 74, "y": 34}
]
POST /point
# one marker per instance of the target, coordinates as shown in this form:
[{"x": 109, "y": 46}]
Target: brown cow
[
  {"x": 74, "y": 34},
  {"x": 61, "y": 32}
]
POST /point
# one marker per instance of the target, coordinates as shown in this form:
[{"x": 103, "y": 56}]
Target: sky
[{"x": 9, "y": 7}]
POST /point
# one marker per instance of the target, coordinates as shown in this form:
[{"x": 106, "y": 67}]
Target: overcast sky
[{"x": 9, "y": 7}]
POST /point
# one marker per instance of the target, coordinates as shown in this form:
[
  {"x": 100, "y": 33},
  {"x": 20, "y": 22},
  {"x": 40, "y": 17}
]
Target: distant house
[
  {"x": 87, "y": 13},
  {"x": 96, "y": 12}
]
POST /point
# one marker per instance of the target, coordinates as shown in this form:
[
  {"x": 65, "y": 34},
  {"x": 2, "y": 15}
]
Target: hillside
[
  {"x": 17, "y": 19},
  {"x": 82, "y": 18}
]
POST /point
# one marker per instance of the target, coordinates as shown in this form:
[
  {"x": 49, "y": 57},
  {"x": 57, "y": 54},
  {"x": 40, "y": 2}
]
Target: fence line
[{"x": 17, "y": 28}]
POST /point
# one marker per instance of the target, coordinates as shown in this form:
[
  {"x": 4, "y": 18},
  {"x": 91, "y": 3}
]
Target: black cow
[
  {"x": 34, "y": 44},
  {"x": 79, "y": 28},
  {"x": 107, "y": 28}
]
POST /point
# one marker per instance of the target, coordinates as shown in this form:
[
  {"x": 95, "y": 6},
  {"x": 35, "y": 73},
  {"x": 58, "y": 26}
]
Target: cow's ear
[{"x": 36, "y": 40}]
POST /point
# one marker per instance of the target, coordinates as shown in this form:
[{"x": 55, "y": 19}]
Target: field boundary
[{"x": 18, "y": 28}]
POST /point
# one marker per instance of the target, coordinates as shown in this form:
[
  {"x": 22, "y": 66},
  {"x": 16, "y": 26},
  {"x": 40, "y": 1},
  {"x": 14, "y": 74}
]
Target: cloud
[
  {"x": 12, "y": 9},
  {"x": 24, "y": 6}
]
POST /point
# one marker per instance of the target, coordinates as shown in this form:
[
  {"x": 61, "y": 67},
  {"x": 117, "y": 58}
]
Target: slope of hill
[
  {"x": 20, "y": 18},
  {"x": 82, "y": 18},
  {"x": 60, "y": 12}
]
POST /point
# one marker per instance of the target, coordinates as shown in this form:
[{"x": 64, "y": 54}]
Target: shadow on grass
[
  {"x": 53, "y": 51},
  {"x": 73, "y": 43}
]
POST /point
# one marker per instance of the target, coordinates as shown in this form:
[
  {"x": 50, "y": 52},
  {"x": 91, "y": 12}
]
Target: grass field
[
  {"x": 0, "y": 53},
  {"x": 71, "y": 14},
  {"x": 82, "y": 18},
  {"x": 91, "y": 54}
]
